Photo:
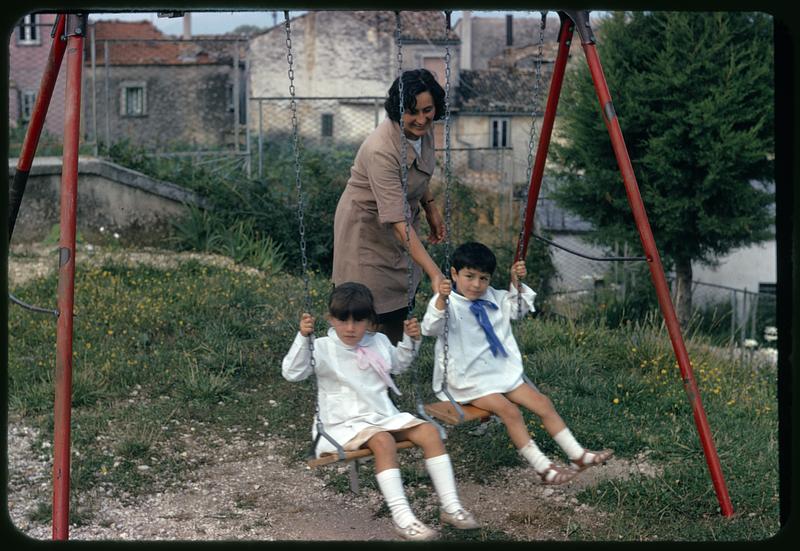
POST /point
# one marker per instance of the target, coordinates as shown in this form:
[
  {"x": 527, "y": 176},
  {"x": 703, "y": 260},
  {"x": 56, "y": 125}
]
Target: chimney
[
  {"x": 466, "y": 40},
  {"x": 509, "y": 30},
  {"x": 187, "y": 26}
]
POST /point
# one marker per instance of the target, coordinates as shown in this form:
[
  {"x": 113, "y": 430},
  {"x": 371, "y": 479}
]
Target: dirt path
[{"x": 247, "y": 490}]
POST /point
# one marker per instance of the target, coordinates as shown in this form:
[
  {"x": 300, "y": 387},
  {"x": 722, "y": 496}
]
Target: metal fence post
[
  {"x": 107, "y": 62},
  {"x": 260, "y": 138}
]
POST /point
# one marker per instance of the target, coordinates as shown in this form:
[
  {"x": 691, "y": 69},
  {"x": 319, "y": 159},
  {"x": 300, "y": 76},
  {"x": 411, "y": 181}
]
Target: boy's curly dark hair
[
  {"x": 415, "y": 82},
  {"x": 474, "y": 255}
]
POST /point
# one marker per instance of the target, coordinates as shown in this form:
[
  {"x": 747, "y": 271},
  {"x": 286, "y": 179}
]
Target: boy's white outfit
[
  {"x": 353, "y": 400},
  {"x": 473, "y": 370}
]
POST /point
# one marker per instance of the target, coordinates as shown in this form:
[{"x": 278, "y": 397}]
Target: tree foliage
[{"x": 694, "y": 97}]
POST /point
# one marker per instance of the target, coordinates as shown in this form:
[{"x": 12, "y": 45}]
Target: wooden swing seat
[
  {"x": 361, "y": 453},
  {"x": 445, "y": 411}
]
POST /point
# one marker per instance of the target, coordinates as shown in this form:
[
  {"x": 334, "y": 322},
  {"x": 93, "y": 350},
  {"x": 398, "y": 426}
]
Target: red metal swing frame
[
  {"x": 68, "y": 35},
  {"x": 569, "y": 20}
]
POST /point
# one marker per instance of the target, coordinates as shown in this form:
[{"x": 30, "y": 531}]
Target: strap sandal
[
  {"x": 556, "y": 474},
  {"x": 416, "y": 531},
  {"x": 461, "y": 519},
  {"x": 597, "y": 458}
]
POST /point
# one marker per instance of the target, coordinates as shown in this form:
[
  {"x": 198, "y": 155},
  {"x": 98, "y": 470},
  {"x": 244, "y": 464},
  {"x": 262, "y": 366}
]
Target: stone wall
[{"x": 137, "y": 207}]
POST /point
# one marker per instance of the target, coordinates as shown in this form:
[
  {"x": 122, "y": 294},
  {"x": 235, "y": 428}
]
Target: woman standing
[{"x": 370, "y": 226}]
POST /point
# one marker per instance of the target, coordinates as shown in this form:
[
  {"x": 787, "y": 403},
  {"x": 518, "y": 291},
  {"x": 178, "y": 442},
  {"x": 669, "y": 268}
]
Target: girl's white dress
[
  {"x": 472, "y": 370},
  {"x": 353, "y": 401}
]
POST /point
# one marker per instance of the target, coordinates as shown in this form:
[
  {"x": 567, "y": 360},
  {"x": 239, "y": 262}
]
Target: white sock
[
  {"x": 535, "y": 457},
  {"x": 391, "y": 486},
  {"x": 568, "y": 443},
  {"x": 441, "y": 472}
]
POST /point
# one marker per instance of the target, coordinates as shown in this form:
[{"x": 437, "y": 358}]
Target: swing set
[
  {"x": 68, "y": 35},
  {"x": 450, "y": 411}
]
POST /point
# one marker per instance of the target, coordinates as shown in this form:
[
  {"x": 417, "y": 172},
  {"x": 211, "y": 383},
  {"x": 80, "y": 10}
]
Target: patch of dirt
[{"x": 246, "y": 489}]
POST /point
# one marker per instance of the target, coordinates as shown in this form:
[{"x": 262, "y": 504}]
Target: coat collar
[{"x": 427, "y": 160}]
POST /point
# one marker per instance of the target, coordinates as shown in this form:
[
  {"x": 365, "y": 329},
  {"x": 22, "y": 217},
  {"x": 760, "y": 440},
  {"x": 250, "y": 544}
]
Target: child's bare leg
[
  {"x": 384, "y": 449},
  {"x": 539, "y": 404},
  {"x": 555, "y": 426},
  {"x": 509, "y": 414},
  {"x": 426, "y": 437}
]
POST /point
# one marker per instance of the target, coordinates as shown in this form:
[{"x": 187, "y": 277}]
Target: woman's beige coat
[{"x": 365, "y": 249}]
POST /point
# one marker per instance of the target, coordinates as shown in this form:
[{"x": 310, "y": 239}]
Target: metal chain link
[
  {"x": 300, "y": 200},
  {"x": 531, "y": 140},
  {"x": 404, "y": 167},
  {"x": 447, "y": 205}
]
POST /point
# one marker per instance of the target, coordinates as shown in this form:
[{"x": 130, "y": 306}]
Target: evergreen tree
[{"x": 694, "y": 97}]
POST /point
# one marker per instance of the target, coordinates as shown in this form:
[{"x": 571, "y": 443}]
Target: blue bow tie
[{"x": 478, "y": 308}]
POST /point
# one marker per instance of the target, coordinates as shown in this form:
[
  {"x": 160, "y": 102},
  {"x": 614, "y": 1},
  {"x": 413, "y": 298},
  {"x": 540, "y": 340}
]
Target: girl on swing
[
  {"x": 353, "y": 370},
  {"x": 484, "y": 363}
]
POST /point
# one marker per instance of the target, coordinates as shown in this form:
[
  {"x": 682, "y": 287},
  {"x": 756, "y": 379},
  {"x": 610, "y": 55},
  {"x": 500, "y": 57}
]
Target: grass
[{"x": 162, "y": 354}]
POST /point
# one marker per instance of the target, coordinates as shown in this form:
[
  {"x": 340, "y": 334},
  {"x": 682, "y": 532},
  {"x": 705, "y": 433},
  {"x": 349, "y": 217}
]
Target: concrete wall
[
  {"x": 118, "y": 199},
  {"x": 743, "y": 268}
]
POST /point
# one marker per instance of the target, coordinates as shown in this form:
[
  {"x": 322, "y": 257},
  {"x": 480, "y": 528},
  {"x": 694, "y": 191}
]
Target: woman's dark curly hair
[{"x": 415, "y": 82}]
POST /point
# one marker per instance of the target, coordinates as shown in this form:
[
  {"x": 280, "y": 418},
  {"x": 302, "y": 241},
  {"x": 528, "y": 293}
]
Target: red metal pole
[
  {"x": 564, "y": 42},
  {"x": 654, "y": 260},
  {"x": 34, "y": 131},
  {"x": 76, "y": 27}
]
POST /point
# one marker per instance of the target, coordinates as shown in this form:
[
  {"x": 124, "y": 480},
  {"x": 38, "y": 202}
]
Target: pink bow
[{"x": 367, "y": 358}]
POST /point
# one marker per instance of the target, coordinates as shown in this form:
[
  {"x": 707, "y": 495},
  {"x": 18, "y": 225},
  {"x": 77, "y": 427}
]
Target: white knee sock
[
  {"x": 391, "y": 486},
  {"x": 441, "y": 472},
  {"x": 535, "y": 457},
  {"x": 568, "y": 443}
]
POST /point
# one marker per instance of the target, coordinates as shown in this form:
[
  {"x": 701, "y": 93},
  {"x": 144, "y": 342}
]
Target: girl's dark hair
[
  {"x": 414, "y": 83},
  {"x": 352, "y": 300},
  {"x": 474, "y": 255}
]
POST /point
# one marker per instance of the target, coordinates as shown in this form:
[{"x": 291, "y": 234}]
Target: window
[
  {"x": 28, "y": 32},
  {"x": 133, "y": 102},
  {"x": 28, "y": 99},
  {"x": 500, "y": 132},
  {"x": 327, "y": 125}
]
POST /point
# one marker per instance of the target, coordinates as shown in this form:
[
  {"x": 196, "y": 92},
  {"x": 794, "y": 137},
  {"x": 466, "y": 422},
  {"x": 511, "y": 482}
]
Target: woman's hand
[
  {"x": 306, "y": 324},
  {"x": 435, "y": 223},
  {"x": 411, "y": 328}
]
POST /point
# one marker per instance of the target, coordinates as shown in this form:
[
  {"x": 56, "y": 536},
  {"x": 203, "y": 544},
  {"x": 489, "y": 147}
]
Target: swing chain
[
  {"x": 299, "y": 188},
  {"x": 447, "y": 204},
  {"x": 295, "y": 142},
  {"x": 531, "y": 140},
  {"x": 404, "y": 168}
]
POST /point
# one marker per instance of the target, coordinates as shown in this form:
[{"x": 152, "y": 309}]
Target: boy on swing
[{"x": 484, "y": 362}]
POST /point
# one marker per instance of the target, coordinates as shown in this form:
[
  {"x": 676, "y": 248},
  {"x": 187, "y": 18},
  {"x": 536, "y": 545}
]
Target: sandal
[
  {"x": 598, "y": 458},
  {"x": 555, "y": 474}
]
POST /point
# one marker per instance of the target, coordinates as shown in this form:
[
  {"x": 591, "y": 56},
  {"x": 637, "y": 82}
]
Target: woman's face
[{"x": 417, "y": 121}]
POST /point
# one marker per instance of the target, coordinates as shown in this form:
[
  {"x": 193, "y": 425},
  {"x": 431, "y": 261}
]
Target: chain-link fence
[{"x": 615, "y": 290}]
